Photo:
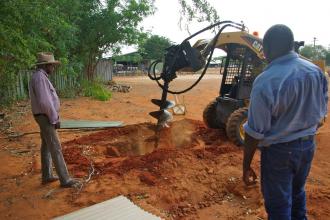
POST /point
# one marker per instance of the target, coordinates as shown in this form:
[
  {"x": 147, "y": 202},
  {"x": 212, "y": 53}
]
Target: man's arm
[
  {"x": 324, "y": 105},
  {"x": 44, "y": 97},
  {"x": 259, "y": 118},
  {"x": 250, "y": 146},
  {"x": 326, "y": 98}
]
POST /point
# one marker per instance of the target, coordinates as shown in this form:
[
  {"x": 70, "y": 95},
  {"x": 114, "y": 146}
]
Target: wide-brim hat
[{"x": 46, "y": 58}]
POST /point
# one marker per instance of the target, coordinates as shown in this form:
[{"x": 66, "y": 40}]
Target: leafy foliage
[
  {"x": 134, "y": 57},
  {"x": 327, "y": 57},
  {"x": 109, "y": 26},
  {"x": 316, "y": 53},
  {"x": 95, "y": 90},
  {"x": 77, "y": 32},
  {"x": 153, "y": 47},
  {"x": 27, "y": 27},
  {"x": 69, "y": 92},
  {"x": 200, "y": 10}
]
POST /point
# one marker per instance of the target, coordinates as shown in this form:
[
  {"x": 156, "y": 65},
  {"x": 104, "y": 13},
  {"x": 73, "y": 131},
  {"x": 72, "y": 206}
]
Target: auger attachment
[
  {"x": 167, "y": 104},
  {"x": 163, "y": 116}
]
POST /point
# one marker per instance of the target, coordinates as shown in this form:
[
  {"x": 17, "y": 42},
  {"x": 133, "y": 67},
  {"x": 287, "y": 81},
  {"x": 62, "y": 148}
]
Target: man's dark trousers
[
  {"x": 284, "y": 169},
  {"x": 51, "y": 151}
]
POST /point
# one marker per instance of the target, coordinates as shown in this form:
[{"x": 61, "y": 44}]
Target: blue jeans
[{"x": 284, "y": 169}]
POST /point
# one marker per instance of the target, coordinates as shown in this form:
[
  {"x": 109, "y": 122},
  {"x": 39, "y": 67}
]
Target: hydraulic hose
[{"x": 153, "y": 65}]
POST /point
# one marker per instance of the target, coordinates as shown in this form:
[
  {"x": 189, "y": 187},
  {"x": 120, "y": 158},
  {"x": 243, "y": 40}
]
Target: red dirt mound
[
  {"x": 141, "y": 146},
  {"x": 178, "y": 169}
]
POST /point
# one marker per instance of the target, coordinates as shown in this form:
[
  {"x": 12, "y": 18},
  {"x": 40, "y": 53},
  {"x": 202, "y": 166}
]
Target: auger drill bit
[
  {"x": 176, "y": 58},
  {"x": 163, "y": 116}
]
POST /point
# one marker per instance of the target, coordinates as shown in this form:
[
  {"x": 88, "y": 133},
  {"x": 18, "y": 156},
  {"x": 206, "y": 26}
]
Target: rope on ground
[
  {"x": 18, "y": 134},
  {"x": 50, "y": 193},
  {"x": 91, "y": 172}
]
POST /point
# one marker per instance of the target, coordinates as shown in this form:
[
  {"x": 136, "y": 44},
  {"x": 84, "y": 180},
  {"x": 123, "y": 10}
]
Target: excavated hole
[{"x": 138, "y": 146}]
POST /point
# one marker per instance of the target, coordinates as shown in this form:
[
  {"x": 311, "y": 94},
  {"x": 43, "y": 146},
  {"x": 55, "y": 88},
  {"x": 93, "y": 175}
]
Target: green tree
[
  {"x": 26, "y": 27},
  {"x": 78, "y": 32},
  {"x": 327, "y": 57},
  {"x": 153, "y": 47},
  {"x": 115, "y": 23},
  {"x": 200, "y": 10},
  {"x": 315, "y": 53},
  {"x": 105, "y": 27}
]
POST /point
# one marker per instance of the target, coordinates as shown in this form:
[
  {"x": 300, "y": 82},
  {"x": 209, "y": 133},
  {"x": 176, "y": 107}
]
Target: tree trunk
[{"x": 90, "y": 68}]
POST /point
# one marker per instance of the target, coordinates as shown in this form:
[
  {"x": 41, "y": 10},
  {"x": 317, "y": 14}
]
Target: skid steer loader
[{"x": 243, "y": 62}]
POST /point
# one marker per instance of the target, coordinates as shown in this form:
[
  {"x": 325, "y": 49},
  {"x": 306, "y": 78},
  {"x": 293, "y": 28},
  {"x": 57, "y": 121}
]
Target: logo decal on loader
[{"x": 255, "y": 43}]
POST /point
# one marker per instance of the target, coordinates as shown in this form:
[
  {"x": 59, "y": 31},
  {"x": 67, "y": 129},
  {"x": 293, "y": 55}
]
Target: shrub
[
  {"x": 96, "y": 90},
  {"x": 69, "y": 92}
]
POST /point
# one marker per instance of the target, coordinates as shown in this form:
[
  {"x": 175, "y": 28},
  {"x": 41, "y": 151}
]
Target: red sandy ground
[{"x": 195, "y": 172}]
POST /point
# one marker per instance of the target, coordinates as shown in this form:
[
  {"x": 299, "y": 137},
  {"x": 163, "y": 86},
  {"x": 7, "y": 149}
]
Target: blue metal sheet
[{"x": 71, "y": 124}]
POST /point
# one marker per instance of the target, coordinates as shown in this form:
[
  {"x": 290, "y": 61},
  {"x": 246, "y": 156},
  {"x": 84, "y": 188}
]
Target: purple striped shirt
[{"x": 44, "y": 99}]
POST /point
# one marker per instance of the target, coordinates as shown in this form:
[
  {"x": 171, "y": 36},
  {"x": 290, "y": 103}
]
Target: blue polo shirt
[{"x": 288, "y": 100}]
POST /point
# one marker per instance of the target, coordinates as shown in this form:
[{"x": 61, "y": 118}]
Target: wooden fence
[
  {"x": 104, "y": 70},
  {"x": 20, "y": 89}
]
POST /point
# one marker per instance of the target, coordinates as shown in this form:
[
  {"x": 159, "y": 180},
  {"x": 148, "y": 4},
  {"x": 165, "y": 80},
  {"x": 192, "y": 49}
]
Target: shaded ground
[{"x": 185, "y": 172}]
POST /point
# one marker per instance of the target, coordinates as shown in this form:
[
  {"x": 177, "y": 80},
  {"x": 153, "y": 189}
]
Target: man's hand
[
  {"x": 250, "y": 146},
  {"x": 57, "y": 125},
  {"x": 321, "y": 123},
  {"x": 249, "y": 177}
]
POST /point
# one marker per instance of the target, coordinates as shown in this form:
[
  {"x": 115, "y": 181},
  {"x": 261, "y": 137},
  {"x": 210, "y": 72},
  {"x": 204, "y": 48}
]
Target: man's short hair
[{"x": 279, "y": 39}]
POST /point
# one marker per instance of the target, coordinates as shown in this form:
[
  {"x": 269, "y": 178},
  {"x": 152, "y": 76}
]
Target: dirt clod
[
  {"x": 148, "y": 178},
  {"x": 112, "y": 151}
]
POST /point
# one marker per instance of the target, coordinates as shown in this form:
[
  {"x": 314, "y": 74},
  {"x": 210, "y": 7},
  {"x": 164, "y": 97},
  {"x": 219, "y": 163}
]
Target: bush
[
  {"x": 96, "y": 90},
  {"x": 69, "y": 92}
]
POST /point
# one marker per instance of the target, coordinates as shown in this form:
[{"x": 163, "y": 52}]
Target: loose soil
[{"x": 186, "y": 171}]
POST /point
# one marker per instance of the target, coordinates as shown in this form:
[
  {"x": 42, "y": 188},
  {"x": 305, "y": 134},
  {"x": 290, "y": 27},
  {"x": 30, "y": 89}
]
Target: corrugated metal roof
[{"x": 119, "y": 208}]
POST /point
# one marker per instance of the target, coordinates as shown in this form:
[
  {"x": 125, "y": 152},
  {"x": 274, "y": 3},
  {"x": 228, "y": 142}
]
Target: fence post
[
  {"x": 28, "y": 77},
  {"x": 21, "y": 85},
  {"x": 17, "y": 88}
]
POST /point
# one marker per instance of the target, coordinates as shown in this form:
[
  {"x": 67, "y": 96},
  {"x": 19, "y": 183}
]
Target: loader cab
[
  {"x": 238, "y": 69},
  {"x": 243, "y": 63}
]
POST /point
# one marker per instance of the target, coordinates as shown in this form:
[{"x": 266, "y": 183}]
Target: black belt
[
  {"x": 307, "y": 138},
  {"x": 35, "y": 115}
]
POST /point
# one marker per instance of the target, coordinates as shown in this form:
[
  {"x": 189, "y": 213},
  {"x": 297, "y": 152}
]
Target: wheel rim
[{"x": 241, "y": 130}]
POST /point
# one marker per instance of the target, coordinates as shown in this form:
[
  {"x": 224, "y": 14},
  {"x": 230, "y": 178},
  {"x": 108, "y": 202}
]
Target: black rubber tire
[
  {"x": 210, "y": 115},
  {"x": 235, "y": 120}
]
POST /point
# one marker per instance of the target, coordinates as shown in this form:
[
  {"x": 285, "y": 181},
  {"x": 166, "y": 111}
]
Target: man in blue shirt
[{"x": 288, "y": 103}]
